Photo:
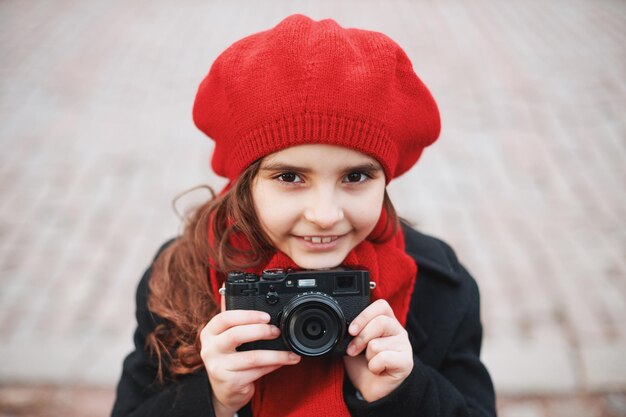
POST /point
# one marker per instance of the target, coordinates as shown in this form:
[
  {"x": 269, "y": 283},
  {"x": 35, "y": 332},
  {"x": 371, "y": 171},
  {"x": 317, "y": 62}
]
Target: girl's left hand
[{"x": 388, "y": 358}]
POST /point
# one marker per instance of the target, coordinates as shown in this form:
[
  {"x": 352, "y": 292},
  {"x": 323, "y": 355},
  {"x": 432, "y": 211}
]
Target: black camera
[{"x": 312, "y": 308}]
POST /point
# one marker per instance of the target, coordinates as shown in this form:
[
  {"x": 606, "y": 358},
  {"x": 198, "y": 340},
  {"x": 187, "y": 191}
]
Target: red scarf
[{"x": 314, "y": 387}]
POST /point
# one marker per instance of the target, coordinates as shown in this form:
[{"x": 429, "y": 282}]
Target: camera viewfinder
[{"x": 345, "y": 284}]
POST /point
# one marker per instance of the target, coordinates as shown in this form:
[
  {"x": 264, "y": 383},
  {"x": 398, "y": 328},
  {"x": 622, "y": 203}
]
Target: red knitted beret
[{"x": 307, "y": 81}]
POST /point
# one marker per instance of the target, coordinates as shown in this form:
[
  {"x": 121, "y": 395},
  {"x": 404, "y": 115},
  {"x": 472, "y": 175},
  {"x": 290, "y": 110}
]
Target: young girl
[{"x": 311, "y": 121}]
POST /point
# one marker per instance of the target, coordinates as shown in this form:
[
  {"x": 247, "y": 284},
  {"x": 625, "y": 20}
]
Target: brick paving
[
  {"x": 526, "y": 182},
  {"x": 64, "y": 401}
]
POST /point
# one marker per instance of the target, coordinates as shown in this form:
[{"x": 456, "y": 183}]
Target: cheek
[
  {"x": 274, "y": 213},
  {"x": 369, "y": 218},
  {"x": 366, "y": 211}
]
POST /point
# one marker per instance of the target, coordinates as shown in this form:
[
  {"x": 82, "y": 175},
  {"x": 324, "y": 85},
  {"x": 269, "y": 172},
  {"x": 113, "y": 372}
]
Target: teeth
[{"x": 319, "y": 239}]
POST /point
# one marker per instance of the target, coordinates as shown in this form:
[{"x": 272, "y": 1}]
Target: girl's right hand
[{"x": 231, "y": 373}]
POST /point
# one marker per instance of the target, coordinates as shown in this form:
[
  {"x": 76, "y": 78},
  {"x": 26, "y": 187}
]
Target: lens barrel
[{"x": 312, "y": 324}]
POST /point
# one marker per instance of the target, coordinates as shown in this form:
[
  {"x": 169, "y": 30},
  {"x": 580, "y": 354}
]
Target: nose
[{"x": 324, "y": 210}]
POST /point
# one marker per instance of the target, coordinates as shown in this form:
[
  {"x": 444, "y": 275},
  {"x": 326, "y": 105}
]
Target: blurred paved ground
[{"x": 527, "y": 181}]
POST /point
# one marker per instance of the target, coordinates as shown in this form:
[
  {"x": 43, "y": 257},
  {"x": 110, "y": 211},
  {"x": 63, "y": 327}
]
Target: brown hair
[{"x": 180, "y": 290}]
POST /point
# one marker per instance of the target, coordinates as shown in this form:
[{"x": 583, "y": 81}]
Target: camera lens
[
  {"x": 312, "y": 324},
  {"x": 313, "y": 328}
]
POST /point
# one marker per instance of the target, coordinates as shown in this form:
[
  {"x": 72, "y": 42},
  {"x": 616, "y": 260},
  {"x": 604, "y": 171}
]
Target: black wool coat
[{"x": 448, "y": 378}]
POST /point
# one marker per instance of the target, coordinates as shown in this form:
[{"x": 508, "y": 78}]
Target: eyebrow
[{"x": 278, "y": 166}]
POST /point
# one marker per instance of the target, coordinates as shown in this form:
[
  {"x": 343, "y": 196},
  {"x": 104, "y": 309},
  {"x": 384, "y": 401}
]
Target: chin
[{"x": 318, "y": 261}]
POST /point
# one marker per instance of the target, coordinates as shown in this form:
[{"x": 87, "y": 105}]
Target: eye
[
  {"x": 290, "y": 177},
  {"x": 356, "y": 177}
]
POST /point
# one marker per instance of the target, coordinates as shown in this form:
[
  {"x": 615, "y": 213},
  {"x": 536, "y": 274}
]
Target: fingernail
[
  {"x": 293, "y": 357},
  {"x": 350, "y": 350},
  {"x": 265, "y": 317},
  {"x": 353, "y": 328},
  {"x": 275, "y": 331}
]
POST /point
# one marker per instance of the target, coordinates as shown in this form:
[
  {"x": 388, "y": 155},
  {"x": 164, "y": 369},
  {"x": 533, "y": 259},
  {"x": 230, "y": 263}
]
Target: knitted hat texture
[{"x": 307, "y": 81}]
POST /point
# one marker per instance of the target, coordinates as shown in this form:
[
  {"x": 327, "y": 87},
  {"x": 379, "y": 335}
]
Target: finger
[
  {"x": 377, "y": 308},
  {"x": 382, "y": 344},
  {"x": 256, "y": 373},
  {"x": 381, "y": 326},
  {"x": 395, "y": 364},
  {"x": 251, "y": 375},
  {"x": 237, "y": 381},
  {"x": 252, "y": 359},
  {"x": 222, "y": 301},
  {"x": 237, "y": 367},
  {"x": 227, "y": 319},
  {"x": 245, "y": 333}
]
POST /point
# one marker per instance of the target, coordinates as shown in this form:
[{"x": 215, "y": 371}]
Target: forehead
[{"x": 319, "y": 155}]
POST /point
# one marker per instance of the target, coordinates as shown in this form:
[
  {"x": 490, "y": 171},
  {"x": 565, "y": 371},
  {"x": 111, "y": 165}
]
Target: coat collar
[
  {"x": 433, "y": 258},
  {"x": 431, "y": 254}
]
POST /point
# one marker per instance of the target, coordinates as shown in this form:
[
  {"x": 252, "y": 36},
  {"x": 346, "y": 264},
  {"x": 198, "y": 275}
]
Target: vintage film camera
[{"x": 312, "y": 308}]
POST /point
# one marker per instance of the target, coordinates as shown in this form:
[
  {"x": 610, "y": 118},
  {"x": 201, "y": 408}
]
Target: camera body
[{"x": 312, "y": 308}]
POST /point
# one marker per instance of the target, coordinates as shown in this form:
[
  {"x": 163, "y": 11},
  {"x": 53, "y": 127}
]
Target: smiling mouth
[{"x": 320, "y": 239}]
